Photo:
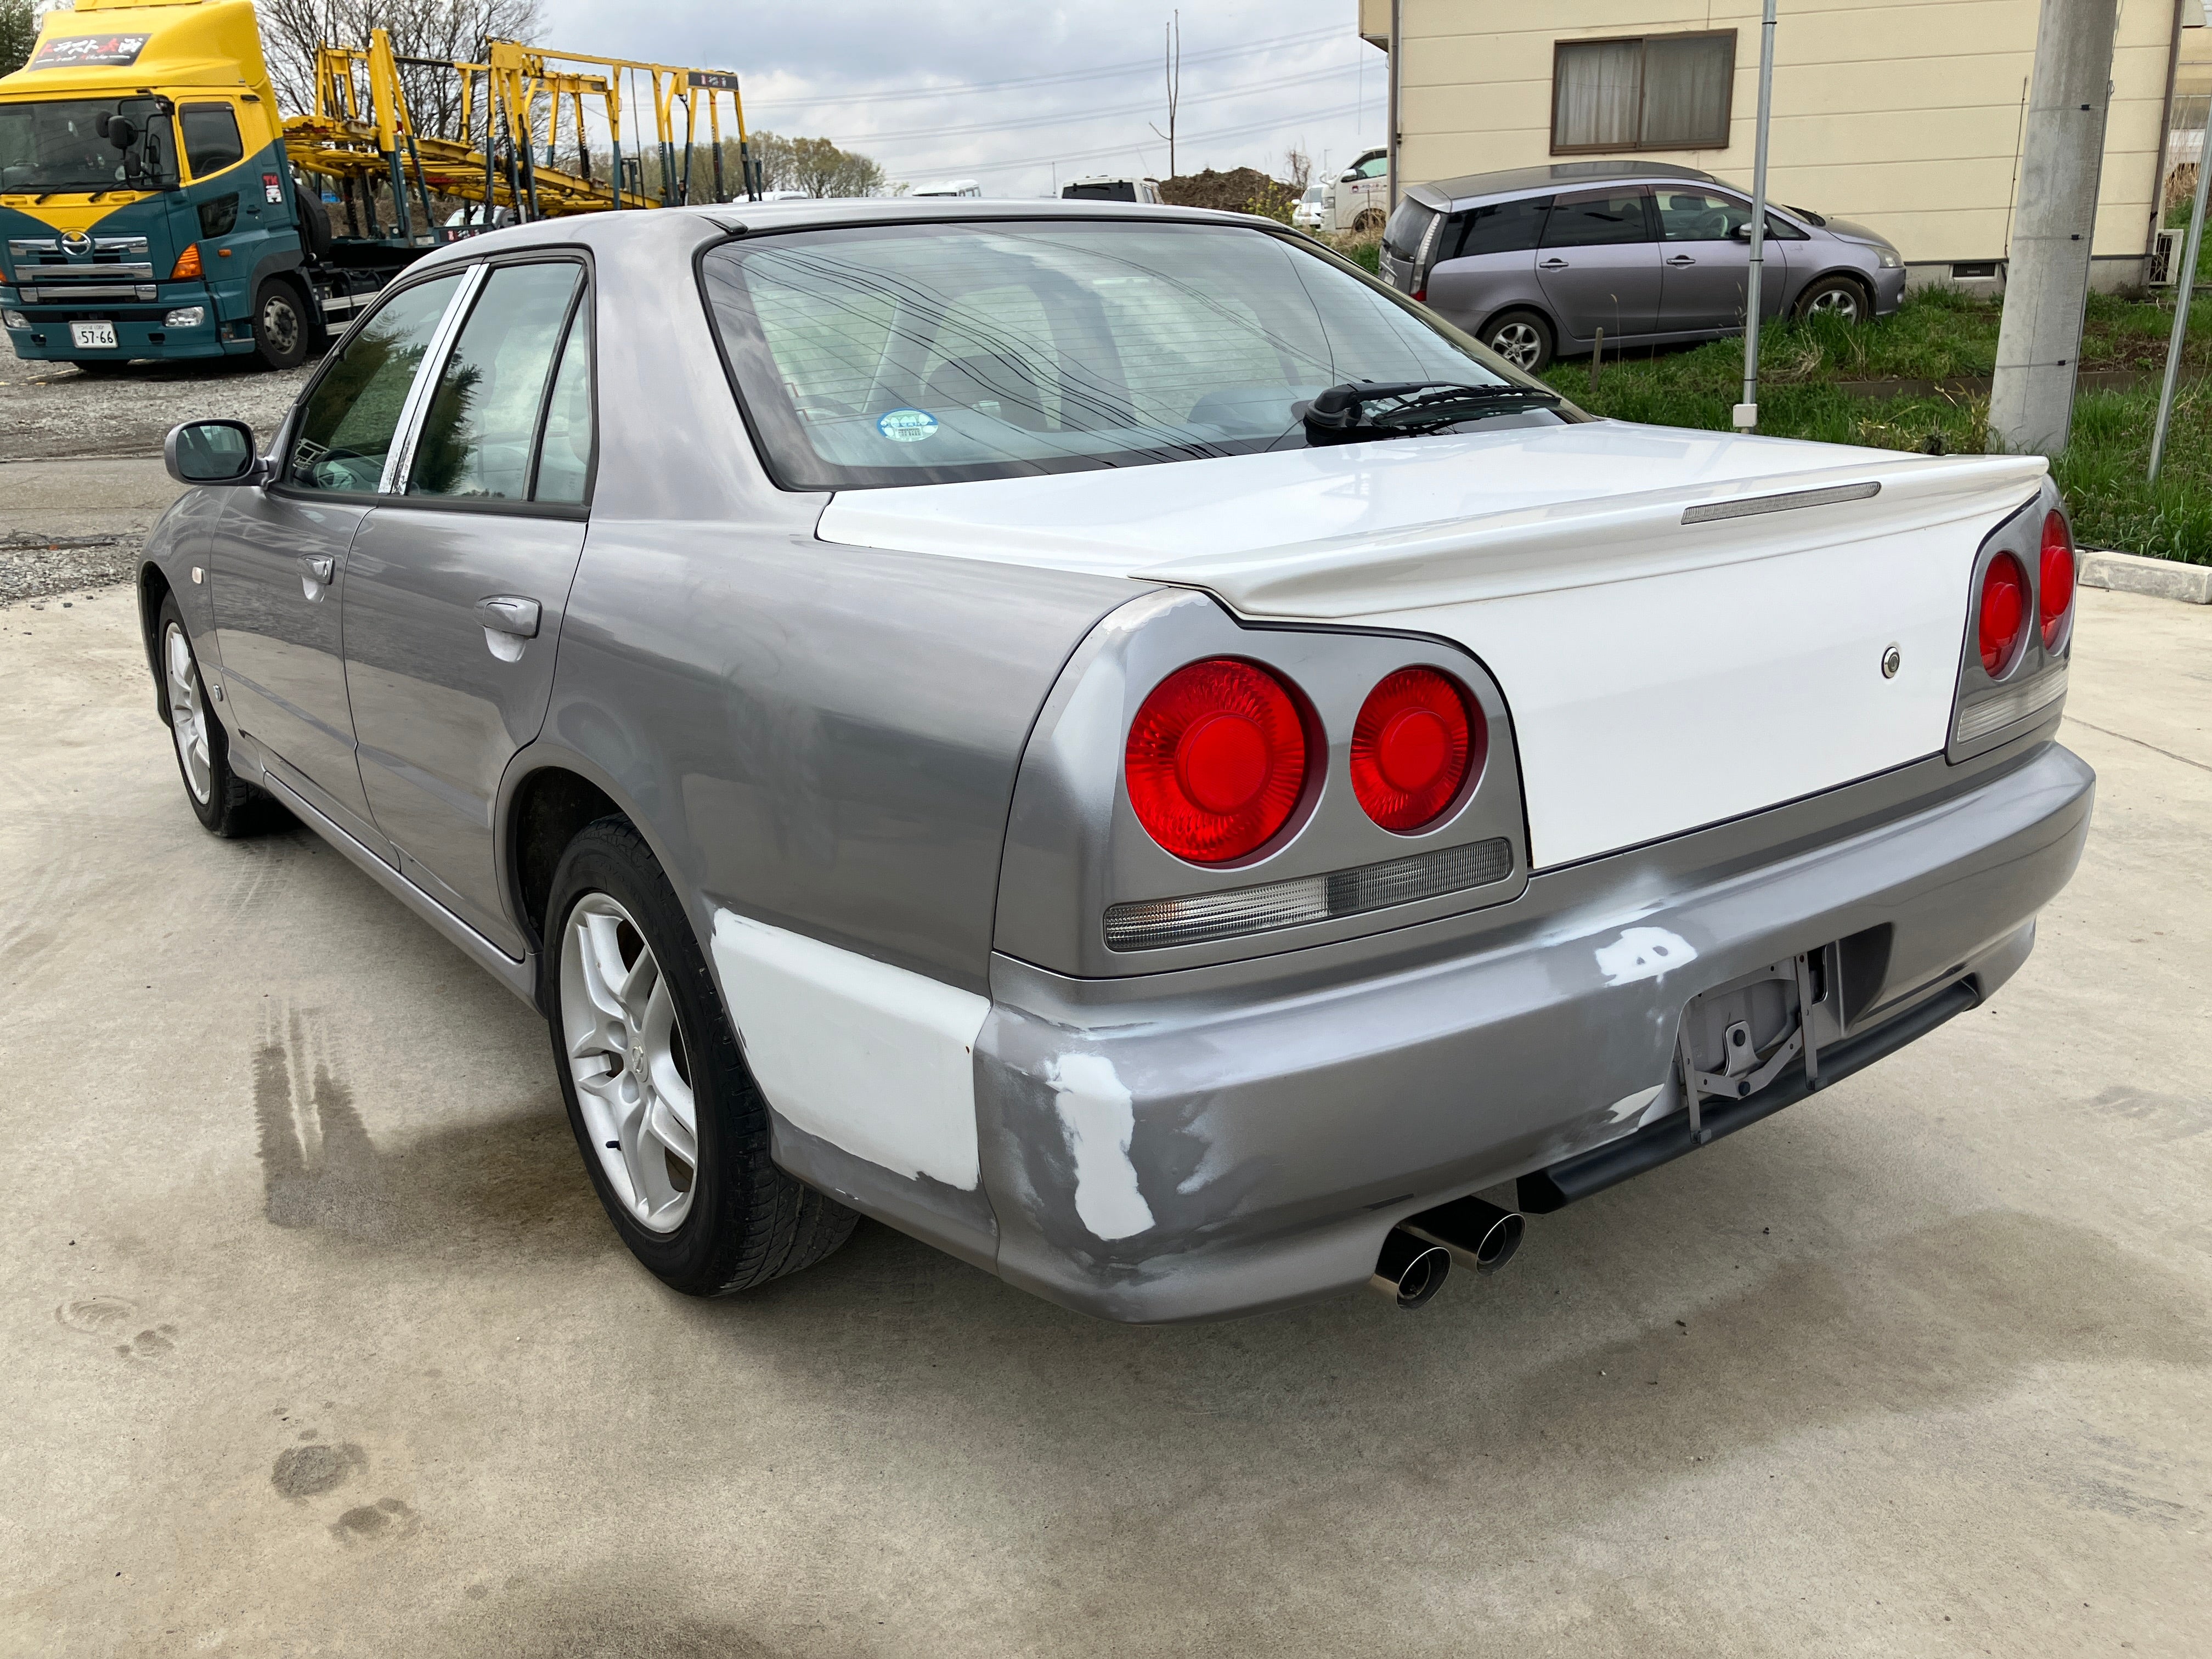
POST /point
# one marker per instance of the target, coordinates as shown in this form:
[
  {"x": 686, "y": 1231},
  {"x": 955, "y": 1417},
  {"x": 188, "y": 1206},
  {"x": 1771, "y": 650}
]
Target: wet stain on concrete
[
  {"x": 509, "y": 1184},
  {"x": 149, "y": 1343},
  {"x": 385, "y": 1520},
  {"x": 311, "y": 1470},
  {"x": 98, "y": 1316}
]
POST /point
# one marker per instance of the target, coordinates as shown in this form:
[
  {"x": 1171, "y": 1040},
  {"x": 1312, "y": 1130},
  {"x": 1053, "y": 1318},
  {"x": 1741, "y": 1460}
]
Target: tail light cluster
[
  {"x": 2007, "y": 608},
  {"x": 1223, "y": 750},
  {"x": 2005, "y": 602}
]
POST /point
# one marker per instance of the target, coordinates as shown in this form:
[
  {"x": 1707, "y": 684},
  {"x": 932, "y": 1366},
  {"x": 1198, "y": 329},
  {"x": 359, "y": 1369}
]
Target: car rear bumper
[{"x": 1193, "y": 1150}]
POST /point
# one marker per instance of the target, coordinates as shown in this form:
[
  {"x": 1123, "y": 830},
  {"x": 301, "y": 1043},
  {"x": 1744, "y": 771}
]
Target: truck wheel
[
  {"x": 1367, "y": 221},
  {"x": 280, "y": 325},
  {"x": 225, "y": 804},
  {"x": 673, "y": 1132}
]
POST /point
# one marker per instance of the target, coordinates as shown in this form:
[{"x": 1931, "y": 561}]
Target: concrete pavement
[{"x": 312, "y": 1339}]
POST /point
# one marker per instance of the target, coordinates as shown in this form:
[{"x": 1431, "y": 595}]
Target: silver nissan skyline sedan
[
  {"x": 1104, "y": 738},
  {"x": 1536, "y": 262}
]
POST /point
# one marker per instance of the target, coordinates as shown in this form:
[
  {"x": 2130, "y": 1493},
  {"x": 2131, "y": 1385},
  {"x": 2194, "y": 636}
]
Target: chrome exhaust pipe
[
  {"x": 1409, "y": 1270},
  {"x": 1479, "y": 1235}
]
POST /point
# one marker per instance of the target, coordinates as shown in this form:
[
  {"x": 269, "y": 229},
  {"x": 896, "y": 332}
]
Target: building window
[{"x": 1658, "y": 92}]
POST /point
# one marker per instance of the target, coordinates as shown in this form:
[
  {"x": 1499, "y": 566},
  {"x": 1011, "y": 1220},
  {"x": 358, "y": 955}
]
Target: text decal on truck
[{"x": 77, "y": 50}]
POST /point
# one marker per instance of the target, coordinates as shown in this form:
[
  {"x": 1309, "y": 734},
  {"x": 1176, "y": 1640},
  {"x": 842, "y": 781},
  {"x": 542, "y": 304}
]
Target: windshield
[
  {"x": 931, "y": 353},
  {"x": 63, "y": 144}
]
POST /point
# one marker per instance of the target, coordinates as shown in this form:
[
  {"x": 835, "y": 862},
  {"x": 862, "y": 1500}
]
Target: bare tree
[
  {"x": 1298, "y": 168},
  {"x": 444, "y": 31}
]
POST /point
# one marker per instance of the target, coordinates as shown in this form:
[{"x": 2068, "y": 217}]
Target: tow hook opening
[{"x": 1418, "y": 1253}]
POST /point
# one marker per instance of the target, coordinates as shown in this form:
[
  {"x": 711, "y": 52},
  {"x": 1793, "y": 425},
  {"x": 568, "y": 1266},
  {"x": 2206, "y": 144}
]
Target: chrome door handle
[
  {"x": 1551, "y": 264},
  {"x": 321, "y": 566},
  {"x": 505, "y": 613}
]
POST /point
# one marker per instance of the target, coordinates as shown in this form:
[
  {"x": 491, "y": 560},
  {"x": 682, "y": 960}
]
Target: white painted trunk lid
[{"x": 1662, "y": 676}]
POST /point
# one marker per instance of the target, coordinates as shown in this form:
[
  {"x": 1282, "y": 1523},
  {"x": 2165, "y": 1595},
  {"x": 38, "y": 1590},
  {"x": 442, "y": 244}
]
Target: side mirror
[
  {"x": 213, "y": 452},
  {"x": 122, "y": 131},
  {"x": 1350, "y": 178},
  {"x": 1742, "y": 231}
]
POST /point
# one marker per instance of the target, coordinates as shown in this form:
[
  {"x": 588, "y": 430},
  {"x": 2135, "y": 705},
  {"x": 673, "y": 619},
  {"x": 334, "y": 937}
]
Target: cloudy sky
[{"x": 1019, "y": 94}]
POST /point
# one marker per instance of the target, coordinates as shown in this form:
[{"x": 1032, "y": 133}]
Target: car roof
[{"x": 1559, "y": 174}]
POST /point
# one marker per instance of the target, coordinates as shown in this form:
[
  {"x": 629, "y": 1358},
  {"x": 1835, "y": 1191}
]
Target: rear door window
[
  {"x": 211, "y": 140},
  {"x": 481, "y": 423},
  {"x": 1598, "y": 219},
  {"x": 1502, "y": 227}
]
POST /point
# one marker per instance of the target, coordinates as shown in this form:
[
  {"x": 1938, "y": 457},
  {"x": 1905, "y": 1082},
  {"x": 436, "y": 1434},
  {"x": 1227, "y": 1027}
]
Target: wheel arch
[
  {"x": 1542, "y": 313},
  {"x": 153, "y": 588}
]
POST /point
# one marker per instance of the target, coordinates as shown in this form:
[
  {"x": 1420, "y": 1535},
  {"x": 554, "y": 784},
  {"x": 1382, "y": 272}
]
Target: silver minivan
[{"x": 1536, "y": 261}]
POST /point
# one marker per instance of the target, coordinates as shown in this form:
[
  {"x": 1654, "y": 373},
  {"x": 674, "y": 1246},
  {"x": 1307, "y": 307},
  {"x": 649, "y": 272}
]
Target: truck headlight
[
  {"x": 1889, "y": 258},
  {"x": 185, "y": 317},
  {"x": 15, "y": 320}
]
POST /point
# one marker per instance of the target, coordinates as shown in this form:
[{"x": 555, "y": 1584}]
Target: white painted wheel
[
  {"x": 632, "y": 1071},
  {"x": 188, "y": 715}
]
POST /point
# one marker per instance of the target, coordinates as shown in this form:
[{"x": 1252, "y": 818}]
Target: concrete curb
[{"x": 2162, "y": 578}]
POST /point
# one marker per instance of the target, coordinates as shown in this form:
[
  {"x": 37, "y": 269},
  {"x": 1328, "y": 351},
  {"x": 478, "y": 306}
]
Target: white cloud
[{"x": 1019, "y": 95}]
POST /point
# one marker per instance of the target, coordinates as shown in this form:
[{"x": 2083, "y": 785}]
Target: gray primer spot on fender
[{"x": 1099, "y": 1117}]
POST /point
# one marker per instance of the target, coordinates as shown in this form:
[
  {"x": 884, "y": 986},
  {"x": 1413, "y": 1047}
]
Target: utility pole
[
  {"x": 1397, "y": 57},
  {"x": 2185, "y": 284},
  {"x": 2047, "y": 274},
  {"x": 1174, "y": 61},
  {"x": 1747, "y": 411}
]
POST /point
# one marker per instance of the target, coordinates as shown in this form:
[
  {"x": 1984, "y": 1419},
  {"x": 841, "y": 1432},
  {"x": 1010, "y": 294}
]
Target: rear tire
[
  {"x": 1367, "y": 221},
  {"x": 280, "y": 325},
  {"x": 641, "y": 1041},
  {"x": 1524, "y": 338},
  {"x": 225, "y": 804}
]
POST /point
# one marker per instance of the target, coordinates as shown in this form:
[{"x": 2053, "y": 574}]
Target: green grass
[{"x": 1941, "y": 335}]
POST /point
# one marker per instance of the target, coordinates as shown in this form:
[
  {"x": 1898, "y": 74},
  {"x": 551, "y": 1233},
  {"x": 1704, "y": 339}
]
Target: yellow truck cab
[{"x": 147, "y": 208}]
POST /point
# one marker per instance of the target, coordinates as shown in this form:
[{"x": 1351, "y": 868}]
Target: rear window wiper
[{"x": 1342, "y": 414}]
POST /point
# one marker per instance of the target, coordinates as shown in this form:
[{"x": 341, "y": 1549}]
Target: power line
[
  {"x": 1027, "y": 123},
  {"x": 1245, "y": 130},
  {"x": 1144, "y": 65}
]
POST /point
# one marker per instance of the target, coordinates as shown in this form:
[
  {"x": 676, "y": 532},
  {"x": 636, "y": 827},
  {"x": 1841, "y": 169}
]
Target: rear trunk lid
[{"x": 1688, "y": 626}]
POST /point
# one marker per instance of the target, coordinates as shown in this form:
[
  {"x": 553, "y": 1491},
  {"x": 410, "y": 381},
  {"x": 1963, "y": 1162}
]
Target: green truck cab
[{"x": 147, "y": 205}]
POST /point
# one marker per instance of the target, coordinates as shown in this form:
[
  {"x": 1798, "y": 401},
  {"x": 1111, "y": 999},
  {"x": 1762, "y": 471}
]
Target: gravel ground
[{"x": 50, "y": 410}]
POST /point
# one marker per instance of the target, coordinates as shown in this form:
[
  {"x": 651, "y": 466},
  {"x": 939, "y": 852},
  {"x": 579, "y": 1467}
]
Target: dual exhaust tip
[{"x": 1419, "y": 1251}]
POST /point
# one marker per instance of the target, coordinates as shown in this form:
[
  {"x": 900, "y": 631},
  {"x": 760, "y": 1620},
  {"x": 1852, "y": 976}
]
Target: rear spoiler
[{"x": 1609, "y": 539}]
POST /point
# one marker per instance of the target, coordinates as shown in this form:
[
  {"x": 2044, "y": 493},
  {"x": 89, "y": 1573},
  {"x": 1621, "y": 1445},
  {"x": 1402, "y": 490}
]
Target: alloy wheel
[
  {"x": 1519, "y": 344},
  {"x": 632, "y": 1071},
  {"x": 1838, "y": 302},
  {"x": 188, "y": 717}
]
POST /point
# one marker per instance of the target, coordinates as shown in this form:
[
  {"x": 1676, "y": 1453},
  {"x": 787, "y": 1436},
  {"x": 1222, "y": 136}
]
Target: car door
[
  {"x": 458, "y": 580},
  {"x": 276, "y": 556},
  {"x": 1486, "y": 260},
  {"x": 1598, "y": 261},
  {"x": 1704, "y": 260}
]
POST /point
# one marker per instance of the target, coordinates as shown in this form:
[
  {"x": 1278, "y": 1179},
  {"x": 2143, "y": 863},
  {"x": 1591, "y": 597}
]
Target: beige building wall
[{"x": 1904, "y": 114}]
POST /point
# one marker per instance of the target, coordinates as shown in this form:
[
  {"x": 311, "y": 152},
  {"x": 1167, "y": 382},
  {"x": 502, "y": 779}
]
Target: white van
[
  {"x": 1105, "y": 189},
  {"x": 949, "y": 187},
  {"x": 1359, "y": 200}
]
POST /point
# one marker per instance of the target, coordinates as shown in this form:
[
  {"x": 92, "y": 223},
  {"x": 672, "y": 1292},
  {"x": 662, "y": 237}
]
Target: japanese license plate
[{"x": 91, "y": 334}]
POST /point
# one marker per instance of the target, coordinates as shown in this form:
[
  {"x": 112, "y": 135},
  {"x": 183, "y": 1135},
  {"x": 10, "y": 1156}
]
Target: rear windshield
[
  {"x": 1409, "y": 222},
  {"x": 931, "y": 352},
  {"x": 1118, "y": 190}
]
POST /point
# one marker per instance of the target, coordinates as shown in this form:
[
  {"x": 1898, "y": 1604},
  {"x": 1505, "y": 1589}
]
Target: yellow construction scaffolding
[{"x": 362, "y": 132}]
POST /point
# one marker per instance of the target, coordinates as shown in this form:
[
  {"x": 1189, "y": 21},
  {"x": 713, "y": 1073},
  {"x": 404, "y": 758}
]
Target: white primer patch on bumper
[
  {"x": 871, "y": 1058},
  {"x": 1643, "y": 953},
  {"x": 1099, "y": 1115}
]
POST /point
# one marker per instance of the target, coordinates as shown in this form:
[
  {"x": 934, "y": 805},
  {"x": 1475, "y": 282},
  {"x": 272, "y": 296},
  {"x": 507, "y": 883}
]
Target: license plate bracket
[{"x": 99, "y": 335}]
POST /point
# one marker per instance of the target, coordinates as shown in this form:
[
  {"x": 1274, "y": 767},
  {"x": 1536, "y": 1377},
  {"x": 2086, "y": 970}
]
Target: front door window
[{"x": 346, "y": 430}]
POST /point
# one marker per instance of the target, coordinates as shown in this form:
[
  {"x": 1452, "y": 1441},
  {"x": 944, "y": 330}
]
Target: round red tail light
[
  {"x": 1216, "y": 760},
  {"x": 2004, "y": 609},
  {"x": 2054, "y": 594},
  {"x": 1417, "y": 741}
]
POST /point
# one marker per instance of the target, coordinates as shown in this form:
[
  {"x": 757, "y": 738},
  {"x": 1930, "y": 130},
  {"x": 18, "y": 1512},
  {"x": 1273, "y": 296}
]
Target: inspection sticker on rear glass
[
  {"x": 908, "y": 426},
  {"x": 105, "y": 50}
]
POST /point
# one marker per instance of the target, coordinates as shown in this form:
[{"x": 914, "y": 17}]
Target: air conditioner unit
[{"x": 2165, "y": 255}]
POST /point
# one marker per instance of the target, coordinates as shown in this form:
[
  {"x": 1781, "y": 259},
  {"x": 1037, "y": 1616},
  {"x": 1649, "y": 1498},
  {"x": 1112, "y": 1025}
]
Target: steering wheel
[{"x": 1714, "y": 226}]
